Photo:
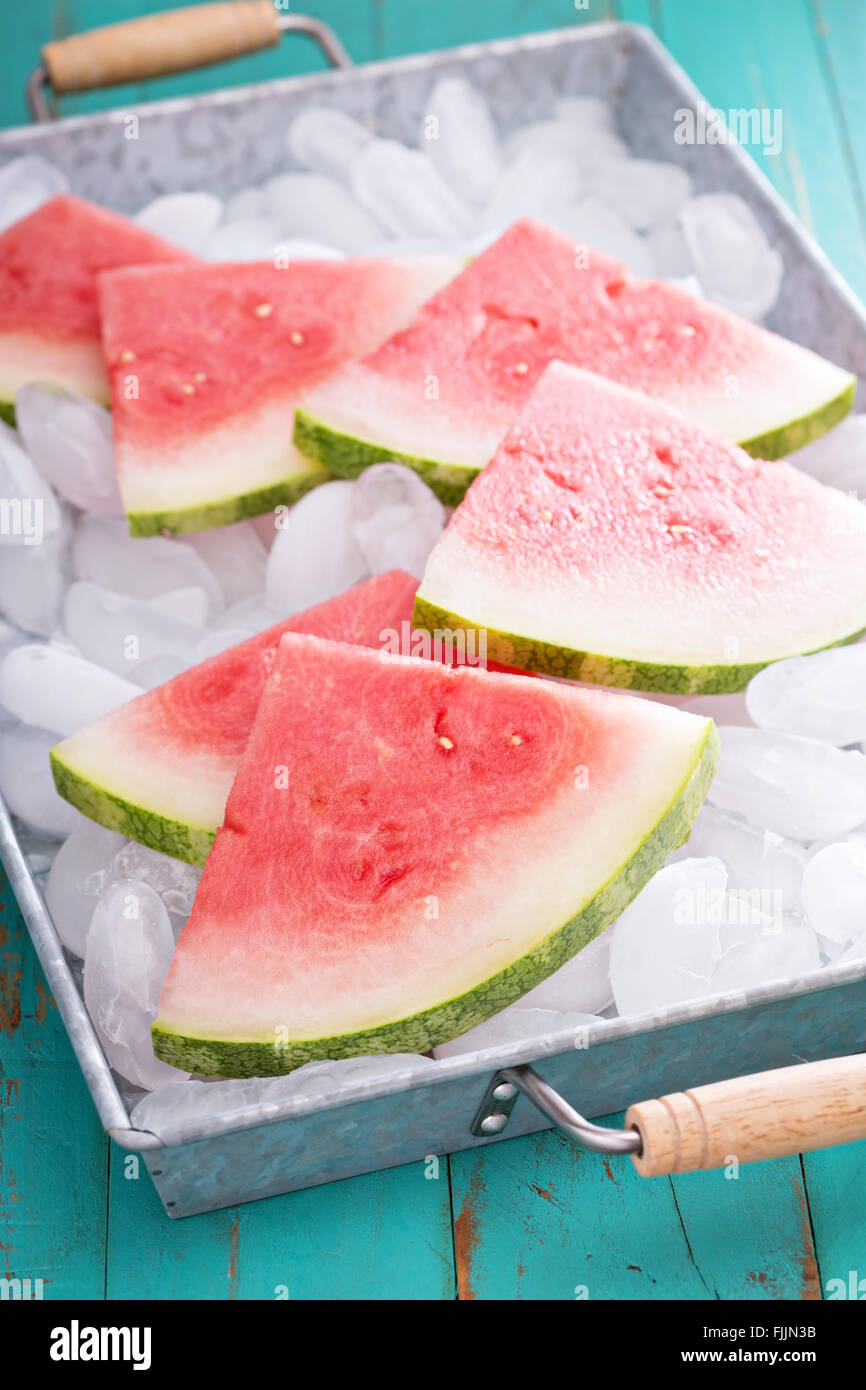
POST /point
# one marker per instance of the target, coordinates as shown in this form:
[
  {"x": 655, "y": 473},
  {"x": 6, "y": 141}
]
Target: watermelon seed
[
  {"x": 545, "y": 515},
  {"x": 521, "y": 368},
  {"x": 188, "y": 389},
  {"x": 296, "y": 338},
  {"x": 664, "y": 455},
  {"x": 687, "y": 330},
  {"x": 678, "y": 530},
  {"x": 127, "y": 355},
  {"x": 199, "y": 376},
  {"x": 515, "y": 739},
  {"x": 445, "y": 741},
  {"x": 662, "y": 490},
  {"x": 261, "y": 311}
]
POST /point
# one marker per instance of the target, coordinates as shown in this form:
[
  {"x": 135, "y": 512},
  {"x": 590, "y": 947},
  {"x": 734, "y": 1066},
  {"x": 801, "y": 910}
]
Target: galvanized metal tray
[{"x": 225, "y": 141}]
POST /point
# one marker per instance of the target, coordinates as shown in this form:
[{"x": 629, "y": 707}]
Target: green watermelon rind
[
  {"x": 786, "y": 439},
  {"x": 223, "y": 511},
  {"x": 453, "y": 1017},
  {"x": 190, "y": 843},
  {"x": 7, "y": 412},
  {"x": 532, "y": 654},
  {"x": 349, "y": 456}
]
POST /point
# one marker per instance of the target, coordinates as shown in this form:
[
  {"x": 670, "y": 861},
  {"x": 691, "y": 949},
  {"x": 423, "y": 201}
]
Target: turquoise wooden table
[{"x": 527, "y": 1219}]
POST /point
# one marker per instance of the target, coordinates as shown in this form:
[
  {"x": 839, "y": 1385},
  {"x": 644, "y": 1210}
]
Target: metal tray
[{"x": 228, "y": 139}]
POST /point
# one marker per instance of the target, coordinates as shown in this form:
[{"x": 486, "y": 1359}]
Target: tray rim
[{"x": 111, "y": 1107}]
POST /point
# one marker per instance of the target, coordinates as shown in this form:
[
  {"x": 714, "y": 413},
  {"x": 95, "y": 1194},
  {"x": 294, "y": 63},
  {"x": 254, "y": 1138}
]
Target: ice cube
[
  {"x": 128, "y": 952},
  {"x": 834, "y": 892},
  {"x": 534, "y": 184},
  {"x": 821, "y": 696},
  {"x": 106, "y": 554},
  {"x": 759, "y": 862},
  {"x": 32, "y": 583},
  {"x": 396, "y": 519},
  {"x": 77, "y": 877},
  {"x": 186, "y": 1102},
  {"x": 30, "y": 511},
  {"x": 760, "y": 950},
  {"x": 248, "y": 204},
  {"x": 318, "y": 208},
  {"x": 191, "y": 605},
  {"x": 315, "y": 554},
  {"x": 587, "y": 113},
  {"x": 582, "y": 984},
  {"x": 27, "y": 784},
  {"x": 802, "y": 789},
  {"x": 120, "y": 632},
  {"x": 646, "y": 192},
  {"x": 732, "y": 258},
  {"x": 187, "y": 219},
  {"x": 235, "y": 557},
  {"x": 588, "y": 145},
  {"x": 514, "y": 1025},
  {"x": 69, "y": 440},
  {"x": 326, "y": 141},
  {"x": 174, "y": 881},
  {"x": 54, "y": 689},
  {"x": 669, "y": 250},
  {"x": 595, "y": 225},
  {"x": 249, "y": 239},
  {"x": 838, "y": 458},
  {"x": 665, "y": 947},
  {"x": 459, "y": 137},
  {"x": 406, "y": 193},
  {"x": 11, "y": 637},
  {"x": 25, "y": 184}
]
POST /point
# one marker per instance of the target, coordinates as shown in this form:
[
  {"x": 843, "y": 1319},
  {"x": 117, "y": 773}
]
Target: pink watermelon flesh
[
  {"x": 442, "y": 393},
  {"x": 408, "y": 847},
  {"x": 218, "y": 357},
  {"x": 612, "y": 540},
  {"x": 159, "y": 769},
  {"x": 49, "y": 314}
]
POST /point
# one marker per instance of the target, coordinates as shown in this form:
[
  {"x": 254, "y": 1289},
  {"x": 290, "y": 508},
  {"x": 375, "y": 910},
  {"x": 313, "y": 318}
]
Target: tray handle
[
  {"x": 787, "y": 1111},
  {"x": 173, "y": 41}
]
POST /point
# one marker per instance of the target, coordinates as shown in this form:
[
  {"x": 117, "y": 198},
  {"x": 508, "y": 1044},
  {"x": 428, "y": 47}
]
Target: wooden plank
[
  {"x": 698, "y": 1236},
  {"x": 383, "y": 1236},
  {"x": 53, "y": 1154},
  {"x": 422, "y": 28},
  {"x": 835, "y": 1180},
  {"x": 536, "y": 1218},
  {"x": 748, "y": 54},
  {"x": 749, "y": 1234},
  {"x": 840, "y": 33}
]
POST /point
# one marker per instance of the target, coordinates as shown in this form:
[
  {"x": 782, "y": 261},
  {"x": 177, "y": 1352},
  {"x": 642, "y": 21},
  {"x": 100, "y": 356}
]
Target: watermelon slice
[
  {"x": 207, "y": 363},
  {"x": 612, "y": 540},
  {"x": 409, "y": 847},
  {"x": 159, "y": 769},
  {"x": 440, "y": 395},
  {"x": 49, "y": 318}
]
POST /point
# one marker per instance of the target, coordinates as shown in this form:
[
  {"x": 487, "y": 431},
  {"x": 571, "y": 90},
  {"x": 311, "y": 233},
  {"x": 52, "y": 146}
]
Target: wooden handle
[
  {"x": 762, "y": 1116},
  {"x": 137, "y": 49}
]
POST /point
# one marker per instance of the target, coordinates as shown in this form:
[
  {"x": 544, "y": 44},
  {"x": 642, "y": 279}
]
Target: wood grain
[{"x": 749, "y": 1118}]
